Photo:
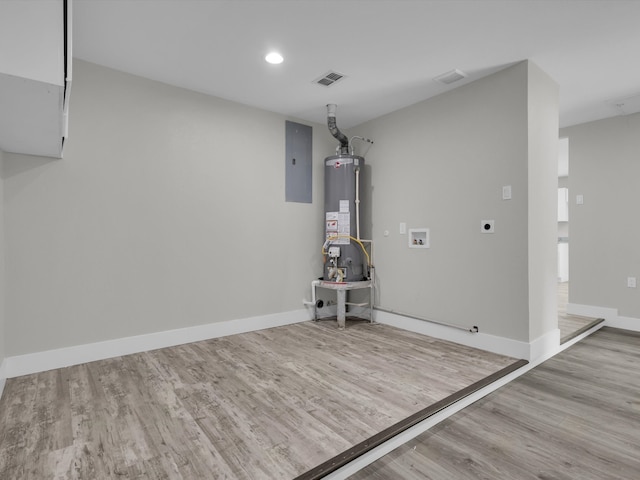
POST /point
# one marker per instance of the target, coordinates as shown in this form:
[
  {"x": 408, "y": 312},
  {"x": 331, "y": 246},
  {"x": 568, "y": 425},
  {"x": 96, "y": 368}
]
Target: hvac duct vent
[
  {"x": 329, "y": 78},
  {"x": 450, "y": 77},
  {"x": 627, "y": 105}
]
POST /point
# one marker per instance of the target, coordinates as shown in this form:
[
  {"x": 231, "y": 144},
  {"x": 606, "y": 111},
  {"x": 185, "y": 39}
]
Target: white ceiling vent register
[
  {"x": 450, "y": 77},
  {"x": 329, "y": 78}
]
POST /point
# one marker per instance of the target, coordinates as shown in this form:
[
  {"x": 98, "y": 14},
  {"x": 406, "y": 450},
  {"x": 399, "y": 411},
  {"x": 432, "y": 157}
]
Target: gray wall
[
  {"x": 604, "y": 166},
  {"x": 441, "y": 164},
  {"x": 167, "y": 211},
  {"x": 2, "y": 243}
]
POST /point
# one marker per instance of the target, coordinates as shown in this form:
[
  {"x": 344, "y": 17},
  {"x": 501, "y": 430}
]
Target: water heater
[
  {"x": 346, "y": 258},
  {"x": 344, "y": 254}
]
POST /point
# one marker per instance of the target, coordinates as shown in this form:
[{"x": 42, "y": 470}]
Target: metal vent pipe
[{"x": 333, "y": 128}]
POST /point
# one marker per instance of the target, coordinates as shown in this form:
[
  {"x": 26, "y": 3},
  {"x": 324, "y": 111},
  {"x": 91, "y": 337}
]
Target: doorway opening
[{"x": 563, "y": 225}]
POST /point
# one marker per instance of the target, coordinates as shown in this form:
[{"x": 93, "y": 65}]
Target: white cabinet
[{"x": 35, "y": 75}]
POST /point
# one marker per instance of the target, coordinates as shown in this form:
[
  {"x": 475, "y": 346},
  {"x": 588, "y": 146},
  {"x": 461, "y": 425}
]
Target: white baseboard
[
  {"x": 592, "y": 311},
  {"x": 610, "y": 315},
  {"x": 64, "y": 357},
  {"x": 483, "y": 341},
  {"x": 41, "y": 361},
  {"x": 625, "y": 323},
  {"x": 545, "y": 346}
]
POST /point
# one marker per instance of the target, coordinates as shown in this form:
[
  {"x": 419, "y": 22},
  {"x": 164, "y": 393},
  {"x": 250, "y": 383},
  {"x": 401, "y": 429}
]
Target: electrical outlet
[
  {"x": 487, "y": 226},
  {"x": 631, "y": 282},
  {"x": 506, "y": 192}
]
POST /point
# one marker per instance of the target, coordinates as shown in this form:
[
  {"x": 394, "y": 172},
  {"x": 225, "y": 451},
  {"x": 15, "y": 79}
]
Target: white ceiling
[{"x": 390, "y": 51}]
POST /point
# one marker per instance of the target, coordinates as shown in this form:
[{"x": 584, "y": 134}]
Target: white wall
[
  {"x": 543, "y": 148},
  {"x": 605, "y": 232},
  {"x": 2, "y": 297},
  {"x": 441, "y": 164},
  {"x": 167, "y": 211}
]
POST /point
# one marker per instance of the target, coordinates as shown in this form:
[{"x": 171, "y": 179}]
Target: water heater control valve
[{"x": 334, "y": 252}]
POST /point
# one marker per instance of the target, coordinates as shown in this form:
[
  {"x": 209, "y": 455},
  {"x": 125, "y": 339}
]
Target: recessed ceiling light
[{"x": 274, "y": 57}]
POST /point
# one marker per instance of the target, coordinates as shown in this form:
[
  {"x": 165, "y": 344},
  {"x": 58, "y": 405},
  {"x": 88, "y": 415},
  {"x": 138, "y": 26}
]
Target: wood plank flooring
[
  {"x": 571, "y": 325},
  {"x": 263, "y": 405},
  {"x": 576, "y": 416}
]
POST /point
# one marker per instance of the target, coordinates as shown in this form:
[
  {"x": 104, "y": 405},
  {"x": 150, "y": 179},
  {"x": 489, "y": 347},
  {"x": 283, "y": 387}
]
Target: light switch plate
[{"x": 506, "y": 192}]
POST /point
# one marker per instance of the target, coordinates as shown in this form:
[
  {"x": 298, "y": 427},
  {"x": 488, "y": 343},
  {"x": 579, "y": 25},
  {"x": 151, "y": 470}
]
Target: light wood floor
[
  {"x": 576, "y": 416},
  {"x": 264, "y": 405}
]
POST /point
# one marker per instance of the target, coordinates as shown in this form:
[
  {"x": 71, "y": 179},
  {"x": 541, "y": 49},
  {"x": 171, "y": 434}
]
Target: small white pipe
[
  {"x": 314, "y": 284},
  {"x": 358, "y": 203}
]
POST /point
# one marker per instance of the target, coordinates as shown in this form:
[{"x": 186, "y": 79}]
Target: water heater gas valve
[{"x": 334, "y": 252}]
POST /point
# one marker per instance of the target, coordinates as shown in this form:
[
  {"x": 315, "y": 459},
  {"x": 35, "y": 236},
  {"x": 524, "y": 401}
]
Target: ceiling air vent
[
  {"x": 329, "y": 78},
  {"x": 627, "y": 105},
  {"x": 450, "y": 77}
]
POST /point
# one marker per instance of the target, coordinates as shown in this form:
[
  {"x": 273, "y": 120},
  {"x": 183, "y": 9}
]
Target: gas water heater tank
[{"x": 341, "y": 172}]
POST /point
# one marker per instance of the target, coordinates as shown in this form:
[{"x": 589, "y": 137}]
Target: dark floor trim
[
  {"x": 361, "y": 448},
  {"x": 581, "y": 330}
]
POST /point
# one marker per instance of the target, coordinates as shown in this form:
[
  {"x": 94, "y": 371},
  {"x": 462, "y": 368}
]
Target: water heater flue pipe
[{"x": 333, "y": 128}]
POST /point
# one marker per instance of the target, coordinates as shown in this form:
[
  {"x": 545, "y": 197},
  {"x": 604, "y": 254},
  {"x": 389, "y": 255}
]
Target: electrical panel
[{"x": 298, "y": 163}]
